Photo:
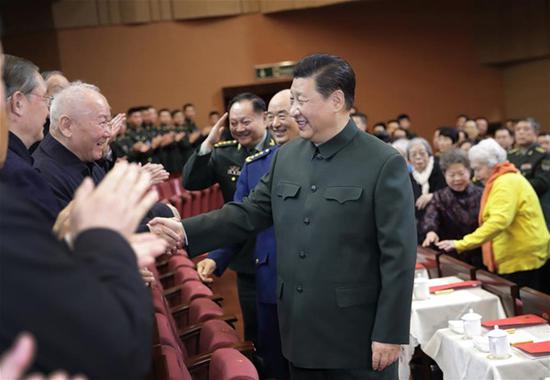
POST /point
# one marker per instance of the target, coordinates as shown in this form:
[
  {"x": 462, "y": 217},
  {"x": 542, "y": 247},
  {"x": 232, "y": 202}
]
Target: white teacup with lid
[
  {"x": 421, "y": 287},
  {"x": 499, "y": 345},
  {"x": 472, "y": 324}
]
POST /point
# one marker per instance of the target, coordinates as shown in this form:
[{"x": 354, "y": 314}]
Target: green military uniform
[
  {"x": 534, "y": 165},
  {"x": 344, "y": 222},
  {"x": 222, "y": 165}
]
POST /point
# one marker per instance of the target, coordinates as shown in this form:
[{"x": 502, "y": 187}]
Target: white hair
[
  {"x": 68, "y": 99},
  {"x": 419, "y": 141},
  {"x": 401, "y": 145},
  {"x": 487, "y": 151}
]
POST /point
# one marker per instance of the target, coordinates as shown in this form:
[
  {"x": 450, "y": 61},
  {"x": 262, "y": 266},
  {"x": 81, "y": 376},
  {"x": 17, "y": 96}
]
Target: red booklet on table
[
  {"x": 455, "y": 286},
  {"x": 419, "y": 266},
  {"x": 535, "y": 349},
  {"x": 520, "y": 320}
]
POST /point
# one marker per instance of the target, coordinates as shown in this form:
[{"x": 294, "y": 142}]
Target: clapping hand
[{"x": 157, "y": 172}]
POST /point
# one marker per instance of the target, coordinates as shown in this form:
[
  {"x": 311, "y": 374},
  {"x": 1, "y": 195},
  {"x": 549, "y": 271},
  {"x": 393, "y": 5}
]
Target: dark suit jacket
[
  {"x": 87, "y": 308},
  {"x": 19, "y": 173},
  {"x": 346, "y": 245}
]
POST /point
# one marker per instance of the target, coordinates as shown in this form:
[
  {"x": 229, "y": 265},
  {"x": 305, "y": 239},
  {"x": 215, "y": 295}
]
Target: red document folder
[
  {"x": 455, "y": 286},
  {"x": 520, "y": 320},
  {"x": 539, "y": 348}
]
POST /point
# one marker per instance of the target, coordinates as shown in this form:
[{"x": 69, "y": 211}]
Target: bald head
[
  {"x": 282, "y": 125},
  {"x": 56, "y": 82},
  {"x": 80, "y": 117}
]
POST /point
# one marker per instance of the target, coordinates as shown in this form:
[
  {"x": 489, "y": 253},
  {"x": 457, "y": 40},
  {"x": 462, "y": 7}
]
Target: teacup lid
[
  {"x": 497, "y": 333},
  {"x": 471, "y": 316}
]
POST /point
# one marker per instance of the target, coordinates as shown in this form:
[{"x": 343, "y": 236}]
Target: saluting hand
[
  {"x": 215, "y": 133},
  {"x": 384, "y": 354}
]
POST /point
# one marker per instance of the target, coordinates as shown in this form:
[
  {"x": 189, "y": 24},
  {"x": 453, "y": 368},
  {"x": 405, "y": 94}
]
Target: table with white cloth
[
  {"x": 428, "y": 316},
  {"x": 459, "y": 359}
]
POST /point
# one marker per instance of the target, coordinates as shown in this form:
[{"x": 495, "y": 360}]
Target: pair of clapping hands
[{"x": 119, "y": 203}]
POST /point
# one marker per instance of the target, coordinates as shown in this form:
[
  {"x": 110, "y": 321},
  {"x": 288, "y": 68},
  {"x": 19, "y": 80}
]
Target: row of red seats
[
  {"x": 515, "y": 300},
  {"x": 194, "y": 338},
  {"x": 190, "y": 203}
]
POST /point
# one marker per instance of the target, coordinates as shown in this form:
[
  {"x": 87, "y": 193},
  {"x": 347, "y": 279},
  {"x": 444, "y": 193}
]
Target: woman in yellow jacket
[{"x": 512, "y": 231}]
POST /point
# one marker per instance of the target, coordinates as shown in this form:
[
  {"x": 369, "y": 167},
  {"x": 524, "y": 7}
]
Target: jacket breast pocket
[
  {"x": 347, "y": 296},
  {"x": 343, "y": 194},
  {"x": 287, "y": 190}
]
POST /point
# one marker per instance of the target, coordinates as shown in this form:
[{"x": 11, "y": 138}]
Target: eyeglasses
[{"x": 46, "y": 99}]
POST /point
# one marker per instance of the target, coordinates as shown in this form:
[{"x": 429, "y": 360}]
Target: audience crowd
[{"x": 481, "y": 191}]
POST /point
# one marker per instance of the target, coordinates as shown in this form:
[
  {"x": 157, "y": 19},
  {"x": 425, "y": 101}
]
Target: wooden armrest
[{"x": 166, "y": 275}]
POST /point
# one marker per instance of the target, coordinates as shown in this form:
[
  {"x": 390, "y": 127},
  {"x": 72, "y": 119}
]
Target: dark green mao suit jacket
[{"x": 346, "y": 245}]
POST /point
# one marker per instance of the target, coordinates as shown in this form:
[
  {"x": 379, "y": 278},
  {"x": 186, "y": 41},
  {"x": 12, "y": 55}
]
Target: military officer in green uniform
[
  {"x": 221, "y": 163},
  {"x": 342, "y": 208},
  {"x": 532, "y": 161}
]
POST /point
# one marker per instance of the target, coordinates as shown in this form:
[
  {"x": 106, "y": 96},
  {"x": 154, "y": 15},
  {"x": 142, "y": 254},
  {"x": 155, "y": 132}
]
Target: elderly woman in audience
[
  {"x": 453, "y": 211},
  {"x": 426, "y": 176},
  {"x": 512, "y": 231}
]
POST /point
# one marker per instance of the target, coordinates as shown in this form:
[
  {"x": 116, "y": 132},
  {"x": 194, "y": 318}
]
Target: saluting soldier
[
  {"x": 221, "y": 163},
  {"x": 532, "y": 161},
  {"x": 342, "y": 208}
]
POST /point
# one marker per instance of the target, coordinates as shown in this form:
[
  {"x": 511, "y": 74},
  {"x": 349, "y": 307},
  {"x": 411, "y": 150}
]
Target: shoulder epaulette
[
  {"x": 540, "y": 149},
  {"x": 223, "y": 144},
  {"x": 513, "y": 150},
  {"x": 257, "y": 155}
]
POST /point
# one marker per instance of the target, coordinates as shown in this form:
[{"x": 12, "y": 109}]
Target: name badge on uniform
[
  {"x": 234, "y": 170},
  {"x": 526, "y": 166}
]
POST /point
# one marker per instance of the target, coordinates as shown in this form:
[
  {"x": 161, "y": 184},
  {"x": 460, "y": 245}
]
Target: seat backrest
[
  {"x": 215, "y": 334},
  {"x": 535, "y": 302},
  {"x": 184, "y": 274},
  {"x": 167, "y": 336},
  {"x": 429, "y": 259},
  {"x": 506, "y": 290},
  {"x": 449, "y": 266},
  {"x": 169, "y": 364},
  {"x": 203, "y": 309},
  {"x": 230, "y": 364},
  {"x": 194, "y": 289}
]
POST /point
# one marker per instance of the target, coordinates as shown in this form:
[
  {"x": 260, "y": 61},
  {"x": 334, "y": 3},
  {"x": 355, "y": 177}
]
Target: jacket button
[
  {"x": 306, "y": 220},
  {"x": 302, "y": 254},
  {"x": 299, "y": 289},
  {"x": 313, "y": 188},
  {"x": 257, "y": 261}
]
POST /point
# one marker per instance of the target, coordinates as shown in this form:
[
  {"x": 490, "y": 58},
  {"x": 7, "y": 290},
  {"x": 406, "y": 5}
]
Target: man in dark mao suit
[{"x": 342, "y": 208}]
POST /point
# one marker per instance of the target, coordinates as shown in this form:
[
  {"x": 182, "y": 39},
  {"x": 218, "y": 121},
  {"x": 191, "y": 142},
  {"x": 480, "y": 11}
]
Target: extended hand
[
  {"x": 431, "y": 237},
  {"x": 168, "y": 232},
  {"x": 446, "y": 245},
  {"x": 147, "y": 246},
  {"x": 384, "y": 354},
  {"x": 423, "y": 201},
  {"x": 118, "y": 203},
  {"x": 205, "y": 268}
]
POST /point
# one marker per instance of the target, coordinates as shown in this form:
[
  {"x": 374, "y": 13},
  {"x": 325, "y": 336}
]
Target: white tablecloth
[
  {"x": 428, "y": 316},
  {"x": 459, "y": 359}
]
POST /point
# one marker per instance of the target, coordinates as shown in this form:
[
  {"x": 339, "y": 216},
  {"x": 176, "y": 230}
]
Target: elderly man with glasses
[{"x": 26, "y": 109}]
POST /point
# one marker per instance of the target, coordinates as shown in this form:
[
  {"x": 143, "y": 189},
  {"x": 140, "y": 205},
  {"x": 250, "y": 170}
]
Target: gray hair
[
  {"x": 451, "y": 157},
  {"x": 65, "y": 101},
  {"x": 419, "y": 141},
  {"x": 401, "y": 145},
  {"x": 18, "y": 74},
  {"x": 533, "y": 123},
  {"x": 487, "y": 151}
]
